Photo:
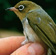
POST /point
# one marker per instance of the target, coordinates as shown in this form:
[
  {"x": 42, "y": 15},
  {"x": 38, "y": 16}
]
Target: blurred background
[{"x": 10, "y": 24}]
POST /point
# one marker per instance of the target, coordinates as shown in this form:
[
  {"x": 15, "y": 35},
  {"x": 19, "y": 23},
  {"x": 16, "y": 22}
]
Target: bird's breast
[{"x": 30, "y": 32}]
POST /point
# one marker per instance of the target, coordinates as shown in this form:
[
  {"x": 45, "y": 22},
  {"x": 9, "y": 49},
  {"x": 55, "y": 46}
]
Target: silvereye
[{"x": 37, "y": 24}]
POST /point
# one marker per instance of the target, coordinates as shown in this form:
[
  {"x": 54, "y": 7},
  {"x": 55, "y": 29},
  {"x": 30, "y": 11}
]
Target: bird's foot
[{"x": 24, "y": 42}]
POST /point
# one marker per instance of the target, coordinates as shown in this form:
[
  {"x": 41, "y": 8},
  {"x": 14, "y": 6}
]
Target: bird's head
[{"x": 23, "y": 7}]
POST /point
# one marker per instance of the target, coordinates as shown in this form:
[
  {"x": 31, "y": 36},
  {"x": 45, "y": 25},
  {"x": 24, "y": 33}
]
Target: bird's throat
[{"x": 19, "y": 15}]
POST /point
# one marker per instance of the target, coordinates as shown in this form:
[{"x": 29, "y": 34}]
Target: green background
[{"x": 9, "y": 21}]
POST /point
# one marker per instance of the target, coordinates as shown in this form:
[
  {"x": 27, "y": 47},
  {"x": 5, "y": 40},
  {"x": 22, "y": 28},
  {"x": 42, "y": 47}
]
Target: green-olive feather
[{"x": 37, "y": 24}]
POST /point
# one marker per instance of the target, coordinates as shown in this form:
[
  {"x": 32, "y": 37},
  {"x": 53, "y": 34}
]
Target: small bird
[{"x": 38, "y": 26}]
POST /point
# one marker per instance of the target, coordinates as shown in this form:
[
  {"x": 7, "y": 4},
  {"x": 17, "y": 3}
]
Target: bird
[{"x": 38, "y": 26}]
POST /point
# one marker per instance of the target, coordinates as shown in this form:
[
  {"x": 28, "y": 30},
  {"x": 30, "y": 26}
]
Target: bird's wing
[
  {"x": 53, "y": 26},
  {"x": 42, "y": 27}
]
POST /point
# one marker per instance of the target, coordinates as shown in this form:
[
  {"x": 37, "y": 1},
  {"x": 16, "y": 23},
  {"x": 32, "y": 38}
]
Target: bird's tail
[{"x": 55, "y": 49}]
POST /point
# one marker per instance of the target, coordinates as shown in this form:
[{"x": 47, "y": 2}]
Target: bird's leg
[
  {"x": 26, "y": 39},
  {"x": 49, "y": 52}
]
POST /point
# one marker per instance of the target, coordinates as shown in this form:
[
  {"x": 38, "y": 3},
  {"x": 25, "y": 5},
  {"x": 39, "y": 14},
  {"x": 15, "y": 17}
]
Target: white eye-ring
[{"x": 21, "y": 7}]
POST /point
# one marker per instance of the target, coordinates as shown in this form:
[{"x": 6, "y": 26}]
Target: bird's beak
[{"x": 11, "y": 9}]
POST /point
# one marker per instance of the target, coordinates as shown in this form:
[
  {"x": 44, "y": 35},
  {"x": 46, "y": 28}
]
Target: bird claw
[{"x": 24, "y": 42}]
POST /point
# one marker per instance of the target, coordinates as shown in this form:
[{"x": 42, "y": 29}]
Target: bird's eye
[{"x": 21, "y": 7}]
